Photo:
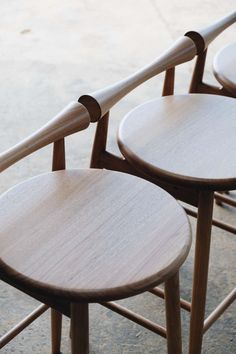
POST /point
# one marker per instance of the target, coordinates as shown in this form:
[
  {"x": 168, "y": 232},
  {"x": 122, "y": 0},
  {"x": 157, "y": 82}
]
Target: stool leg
[
  {"x": 56, "y": 323},
  {"x": 79, "y": 328},
  {"x": 201, "y": 263},
  {"x": 173, "y": 318}
]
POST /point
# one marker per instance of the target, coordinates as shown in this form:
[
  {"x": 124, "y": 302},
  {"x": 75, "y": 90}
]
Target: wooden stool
[
  {"x": 174, "y": 140},
  {"x": 95, "y": 107},
  {"x": 93, "y": 236},
  {"x": 72, "y": 237},
  {"x": 164, "y": 141}
]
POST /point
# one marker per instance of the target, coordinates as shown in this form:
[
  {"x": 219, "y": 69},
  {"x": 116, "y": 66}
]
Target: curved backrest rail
[
  {"x": 71, "y": 119},
  {"x": 204, "y": 36},
  {"x": 101, "y": 101}
]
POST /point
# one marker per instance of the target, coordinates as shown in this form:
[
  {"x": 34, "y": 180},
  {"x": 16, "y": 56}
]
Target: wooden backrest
[
  {"x": 71, "y": 119},
  {"x": 184, "y": 49},
  {"x": 77, "y": 116},
  {"x": 204, "y": 36},
  {"x": 100, "y": 102}
]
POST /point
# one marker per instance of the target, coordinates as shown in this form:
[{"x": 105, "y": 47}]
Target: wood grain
[
  {"x": 71, "y": 119},
  {"x": 90, "y": 235},
  {"x": 175, "y": 138},
  {"x": 224, "y": 67}
]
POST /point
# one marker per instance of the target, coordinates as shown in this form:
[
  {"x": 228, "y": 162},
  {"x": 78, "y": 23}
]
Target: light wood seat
[
  {"x": 224, "y": 68},
  {"x": 175, "y": 138},
  {"x": 71, "y": 237},
  {"x": 90, "y": 235},
  {"x": 225, "y": 73}
]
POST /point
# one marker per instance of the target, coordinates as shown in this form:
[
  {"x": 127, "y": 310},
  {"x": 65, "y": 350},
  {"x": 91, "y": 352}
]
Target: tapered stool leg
[
  {"x": 201, "y": 263},
  {"x": 173, "y": 318},
  {"x": 79, "y": 328},
  {"x": 56, "y": 323}
]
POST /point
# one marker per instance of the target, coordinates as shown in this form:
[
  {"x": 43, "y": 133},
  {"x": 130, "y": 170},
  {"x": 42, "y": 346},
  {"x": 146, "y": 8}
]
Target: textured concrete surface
[{"x": 53, "y": 51}]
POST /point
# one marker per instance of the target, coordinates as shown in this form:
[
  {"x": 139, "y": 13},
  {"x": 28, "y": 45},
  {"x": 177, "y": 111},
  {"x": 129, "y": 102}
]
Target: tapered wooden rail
[
  {"x": 204, "y": 36},
  {"x": 71, "y": 119},
  {"x": 101, "y": 101},
  {"x": 184, "y": 49}
]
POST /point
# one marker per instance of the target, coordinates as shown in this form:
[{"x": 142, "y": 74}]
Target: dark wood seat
[
  {"x": 224, "y": 68},
  {"x": 90, "y": 235},
  {"x": 175, "y": 138}
]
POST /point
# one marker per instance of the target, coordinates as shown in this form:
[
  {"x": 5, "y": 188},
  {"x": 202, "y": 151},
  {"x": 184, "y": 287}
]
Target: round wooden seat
[
  {"x": 90, "y": 235},
  {"x": 224, "y": 68},
  {"x": 188, "y": 140}
]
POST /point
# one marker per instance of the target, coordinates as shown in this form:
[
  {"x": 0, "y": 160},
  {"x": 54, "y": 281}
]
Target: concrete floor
[{"x": 52, "y": 52}]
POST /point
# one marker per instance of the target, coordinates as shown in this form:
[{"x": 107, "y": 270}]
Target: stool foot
[
  {"x": 56, "y": 323},
  {"x": 173, "y": 319},
  {"x": 79, "y": 328}
]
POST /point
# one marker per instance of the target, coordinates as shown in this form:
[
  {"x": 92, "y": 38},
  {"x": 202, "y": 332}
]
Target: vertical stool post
[
  {"x": 79, "y": 328},
  {"x": 173, "y": 318},
  {"x": 56, "y": 323},
  {"x": 201, "y": 264}
]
